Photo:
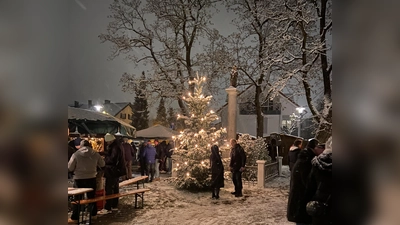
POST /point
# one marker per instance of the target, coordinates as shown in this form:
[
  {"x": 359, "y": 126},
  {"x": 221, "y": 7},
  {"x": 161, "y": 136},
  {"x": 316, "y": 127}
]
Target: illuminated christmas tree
[{"x": 195, "y": 141}]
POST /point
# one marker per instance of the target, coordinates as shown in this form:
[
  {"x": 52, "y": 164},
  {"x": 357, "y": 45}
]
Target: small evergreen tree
[
  {"x": 140, "y": 116},
  {"x": 195, "y": 141},
  {"x": 161, "y": 117}
]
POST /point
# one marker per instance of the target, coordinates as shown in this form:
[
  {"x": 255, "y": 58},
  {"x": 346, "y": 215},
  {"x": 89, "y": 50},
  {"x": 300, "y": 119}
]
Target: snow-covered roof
[{"x": 157, "y": 131}]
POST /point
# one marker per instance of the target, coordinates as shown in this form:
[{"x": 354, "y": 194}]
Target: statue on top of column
[{"x": 234, "y": 76}]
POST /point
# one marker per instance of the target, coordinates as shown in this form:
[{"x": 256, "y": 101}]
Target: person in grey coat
[{"x": 84, "y": 163}]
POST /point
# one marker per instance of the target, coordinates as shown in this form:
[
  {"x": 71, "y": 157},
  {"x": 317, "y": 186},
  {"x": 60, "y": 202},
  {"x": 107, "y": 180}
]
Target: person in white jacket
[{"x": 83, "y": 164}]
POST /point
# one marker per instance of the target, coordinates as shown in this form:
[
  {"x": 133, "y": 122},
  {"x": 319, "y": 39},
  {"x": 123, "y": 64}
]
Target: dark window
[
  {"x": 123, "y": 116},
  {"x": 271, "y": 107}
]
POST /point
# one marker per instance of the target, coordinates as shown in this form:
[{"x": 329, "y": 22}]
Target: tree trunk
[
  {"x": 182, "y": 106},
  {"x": 260, "y": 118}
]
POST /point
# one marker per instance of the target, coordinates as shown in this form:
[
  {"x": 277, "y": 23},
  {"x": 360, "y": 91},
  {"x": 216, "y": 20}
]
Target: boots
[
  {"x": 213, "y": 195},
  {"x": 217, "y": 193}
]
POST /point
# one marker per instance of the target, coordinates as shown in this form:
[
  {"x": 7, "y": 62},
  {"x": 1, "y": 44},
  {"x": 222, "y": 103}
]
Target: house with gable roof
[
  {"x": 276, "y": 112},
  {"x": 120, "y": 110}
]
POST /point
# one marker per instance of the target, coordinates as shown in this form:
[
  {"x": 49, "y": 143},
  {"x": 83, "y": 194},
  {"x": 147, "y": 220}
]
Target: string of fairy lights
[{"x": 192, "y": 142}]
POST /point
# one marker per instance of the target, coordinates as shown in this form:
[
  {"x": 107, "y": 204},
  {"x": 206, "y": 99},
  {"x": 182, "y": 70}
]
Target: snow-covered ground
[{"x": 166, "y": 205}]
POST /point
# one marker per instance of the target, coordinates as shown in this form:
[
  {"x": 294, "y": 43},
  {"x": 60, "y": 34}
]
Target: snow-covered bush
[{"x": 256, "y": 149}]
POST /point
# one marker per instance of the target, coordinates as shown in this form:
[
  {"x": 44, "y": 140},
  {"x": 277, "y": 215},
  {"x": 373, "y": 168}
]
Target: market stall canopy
[
  {"x": 92, "y": 122},
  {"x": 157, "y": 131}
]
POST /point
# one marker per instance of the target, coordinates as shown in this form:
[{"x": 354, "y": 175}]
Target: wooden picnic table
[{"x": 80, "y": 191}]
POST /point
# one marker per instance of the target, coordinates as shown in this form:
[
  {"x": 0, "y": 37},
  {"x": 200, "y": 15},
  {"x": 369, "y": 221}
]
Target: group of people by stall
[
  {"x": 86, "y": 165},
  {"x": 155, "y": 158}
]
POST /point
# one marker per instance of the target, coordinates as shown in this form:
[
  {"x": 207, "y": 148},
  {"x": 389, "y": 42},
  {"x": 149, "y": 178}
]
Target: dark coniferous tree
[
  {"x": 140, "y": 117},
  {"x": 161, "y": 117}
]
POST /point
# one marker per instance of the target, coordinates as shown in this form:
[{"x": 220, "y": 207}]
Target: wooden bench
[
  {"x": 136, "y": 180},
  {"x": 137, "y": 192}
]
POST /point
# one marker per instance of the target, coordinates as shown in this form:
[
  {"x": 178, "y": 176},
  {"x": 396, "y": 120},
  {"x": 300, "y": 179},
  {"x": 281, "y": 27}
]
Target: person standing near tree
[
  {"x": 217, "y": 172},
  {"x": 237, "y": 166}
]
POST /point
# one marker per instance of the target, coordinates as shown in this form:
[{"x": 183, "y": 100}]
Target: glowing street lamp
[
  {"x": 300, "y": 110},
  {"x": 98, "y": 107}
]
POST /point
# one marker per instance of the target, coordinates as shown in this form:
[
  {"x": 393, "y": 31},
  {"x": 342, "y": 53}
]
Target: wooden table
[{"x": 80, "y": 191}]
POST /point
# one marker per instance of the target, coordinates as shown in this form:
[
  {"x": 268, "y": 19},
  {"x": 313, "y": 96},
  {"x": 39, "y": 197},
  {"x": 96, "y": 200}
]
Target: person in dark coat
[
  {"x": 169, "y": 152},
  {"x": 163, "y": 156},
  {"x": 296, "y": 210},
  {"x": 115, "y": 168},
  {"x": 134, "y": 161},
  {"x": 129, "y": 155},
  {"x": 237, "y": 166},
  {"x": 320, "y": 184},
  {"x": 294, "y": 152},
  {"x": 142, "y": 159},
  {"x": 217, "y": 172}
]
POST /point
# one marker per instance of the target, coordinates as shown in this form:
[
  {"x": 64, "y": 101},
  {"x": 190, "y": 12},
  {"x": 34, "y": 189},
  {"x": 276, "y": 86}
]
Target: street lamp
[
  {"x": 98, "y": 107},
  {"x": 300, "y": 110}
]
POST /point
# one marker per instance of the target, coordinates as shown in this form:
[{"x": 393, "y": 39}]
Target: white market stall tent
[{"x": 157, "y": 131}]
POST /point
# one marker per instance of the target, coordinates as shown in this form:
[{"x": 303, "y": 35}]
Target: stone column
[
  {"x": 261, "y": 173},
  {"x": 279, "y": 158},
  {"x": 232, "y": 106}
]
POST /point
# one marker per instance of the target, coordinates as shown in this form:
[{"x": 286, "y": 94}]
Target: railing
[
  {"x": 271, "y": 170},
  {"x": 268, "y": 171}
]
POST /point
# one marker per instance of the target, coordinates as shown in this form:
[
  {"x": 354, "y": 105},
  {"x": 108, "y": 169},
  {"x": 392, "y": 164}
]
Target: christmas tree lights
[{"x": 195, "y": 141}]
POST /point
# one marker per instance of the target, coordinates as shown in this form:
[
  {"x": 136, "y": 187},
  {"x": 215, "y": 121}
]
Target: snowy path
[{"x": 166, "y": 205}]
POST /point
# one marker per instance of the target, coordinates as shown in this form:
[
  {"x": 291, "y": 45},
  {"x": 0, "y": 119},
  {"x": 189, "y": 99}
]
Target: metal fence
[{"x": 271, "y": 170}]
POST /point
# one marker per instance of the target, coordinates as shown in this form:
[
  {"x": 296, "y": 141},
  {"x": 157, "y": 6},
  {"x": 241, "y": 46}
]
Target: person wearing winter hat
[
  {"x": 109, "y": 138},
  {"x": 320, "y": 187},
  {"x": 296, "y": 210},
  {"x": 115, "y": 168},
  {"x": 294, "y": 152},
  {"x": 84, "y": 163}
]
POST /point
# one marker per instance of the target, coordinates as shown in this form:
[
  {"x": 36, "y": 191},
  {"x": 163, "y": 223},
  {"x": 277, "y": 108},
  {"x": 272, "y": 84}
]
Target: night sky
[{"x": 92, "y": 75}]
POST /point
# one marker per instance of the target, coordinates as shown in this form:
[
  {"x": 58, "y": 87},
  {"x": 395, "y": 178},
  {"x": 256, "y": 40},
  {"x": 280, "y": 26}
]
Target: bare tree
[
  {"x": 163, "y": 35},
  {"x": 282, "y": 45},
  {"x": 307, "y": 60},
  {"x": 256, "y": 22}
]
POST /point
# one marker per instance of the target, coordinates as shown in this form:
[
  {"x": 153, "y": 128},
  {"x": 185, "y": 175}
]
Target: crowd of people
[
  {"x": 155, "y": 159},
  {"x": 85, "y": 165},
  {"x": 311, "y": 183}
]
